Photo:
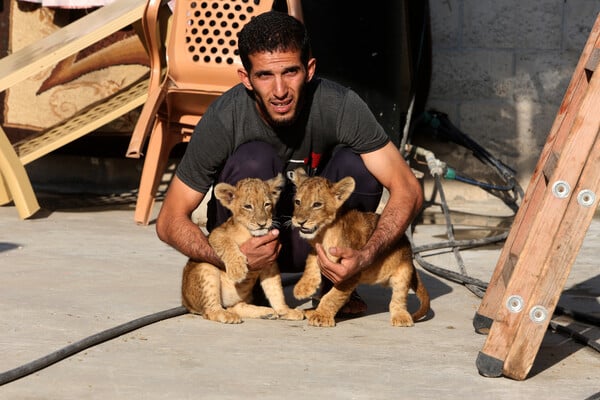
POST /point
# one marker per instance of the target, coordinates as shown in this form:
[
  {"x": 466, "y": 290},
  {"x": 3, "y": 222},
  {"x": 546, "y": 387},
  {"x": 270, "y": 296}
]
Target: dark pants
[{"x": 260, "y": 160}]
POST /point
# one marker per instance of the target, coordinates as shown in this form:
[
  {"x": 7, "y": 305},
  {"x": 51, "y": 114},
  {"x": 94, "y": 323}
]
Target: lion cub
[
  {"x": 316, "y": 206},
  {"x": 224, "y": 296}
]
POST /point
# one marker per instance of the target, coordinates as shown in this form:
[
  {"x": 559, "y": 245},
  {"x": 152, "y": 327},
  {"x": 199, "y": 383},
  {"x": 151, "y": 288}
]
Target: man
[{"x": 279, "y": 118}]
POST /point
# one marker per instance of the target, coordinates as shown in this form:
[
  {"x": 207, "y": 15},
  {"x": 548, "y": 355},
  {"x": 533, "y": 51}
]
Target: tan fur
[
  {"x": 316, "y": 208},
  {"x": 225, "y": 296}
]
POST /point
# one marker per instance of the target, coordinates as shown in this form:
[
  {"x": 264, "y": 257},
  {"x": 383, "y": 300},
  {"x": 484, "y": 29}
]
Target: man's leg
[{"x": 368, "y": 190}]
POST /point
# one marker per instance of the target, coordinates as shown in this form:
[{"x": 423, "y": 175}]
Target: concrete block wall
[{"x": 500, "y": 69}]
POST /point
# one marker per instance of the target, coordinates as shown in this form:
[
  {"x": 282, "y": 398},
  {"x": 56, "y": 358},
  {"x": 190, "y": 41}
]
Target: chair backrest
[{"x": 202, "y": 49}]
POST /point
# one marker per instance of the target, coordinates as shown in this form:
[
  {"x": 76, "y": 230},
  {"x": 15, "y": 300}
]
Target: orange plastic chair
[{"x": 201, "y": 63}]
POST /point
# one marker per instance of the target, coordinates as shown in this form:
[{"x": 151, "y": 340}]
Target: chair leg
[
  {"x": 5, "y": 197},
  {"x": 159, "y": 148},
  {"x": 15, "y": 181}
]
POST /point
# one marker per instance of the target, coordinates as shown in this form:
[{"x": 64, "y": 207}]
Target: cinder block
[
  {"x": 492, "y": 125},
  {"x": 580, "y": 16},
  {"x": 445, "y": 24},
  {"x": 515, "y": 132},
  {"x": 544, "y": 76},
  {"x": 512, "y": 24},
  {"x": 469, "y": 75}
]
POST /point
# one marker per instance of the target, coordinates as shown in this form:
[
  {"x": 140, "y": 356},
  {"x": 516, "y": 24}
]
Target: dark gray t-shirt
[{"x": 333, "y": 115}]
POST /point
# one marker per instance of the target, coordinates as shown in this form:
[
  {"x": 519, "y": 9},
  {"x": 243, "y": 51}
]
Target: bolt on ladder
[{"x": 548, "y": 230}]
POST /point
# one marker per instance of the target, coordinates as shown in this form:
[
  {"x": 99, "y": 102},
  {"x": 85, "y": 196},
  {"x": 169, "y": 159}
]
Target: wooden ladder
[{"x": 548, "y": 230}]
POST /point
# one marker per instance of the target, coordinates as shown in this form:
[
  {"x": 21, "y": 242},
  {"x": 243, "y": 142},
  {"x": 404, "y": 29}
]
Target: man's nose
[{"x": 280, "y": 90}]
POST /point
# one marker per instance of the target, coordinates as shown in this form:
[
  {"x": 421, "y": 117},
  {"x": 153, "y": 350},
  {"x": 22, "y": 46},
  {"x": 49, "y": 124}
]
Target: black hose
[
  {"x": 88, "y": 342},
  {"x": 483, "y": 185},
  {"x": 463, "y": 244},
  {"x": 451, "y": 275}
]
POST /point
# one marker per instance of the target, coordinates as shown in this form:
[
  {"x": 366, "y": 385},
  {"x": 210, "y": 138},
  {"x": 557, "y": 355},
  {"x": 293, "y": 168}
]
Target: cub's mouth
[
  {"x": 259, "y": 232},
  {"x": 308, "y": 231}
]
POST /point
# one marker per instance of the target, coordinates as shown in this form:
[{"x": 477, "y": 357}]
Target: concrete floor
[{"x": 82, "y": 268}]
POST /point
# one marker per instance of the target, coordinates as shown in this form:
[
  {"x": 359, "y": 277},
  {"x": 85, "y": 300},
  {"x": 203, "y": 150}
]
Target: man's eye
[{"x": 263, "y": 75}]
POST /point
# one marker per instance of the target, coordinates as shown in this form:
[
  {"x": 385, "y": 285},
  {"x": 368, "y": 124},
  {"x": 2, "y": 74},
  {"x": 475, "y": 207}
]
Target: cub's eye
[
  {"x": 317, "y": 204},
  {"x": 248, "y": 207},
  {"x": 267, "y": 205},
  {"x": 297, "y": 202}
]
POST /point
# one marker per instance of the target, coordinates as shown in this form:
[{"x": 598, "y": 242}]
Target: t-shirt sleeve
[
  {"x": 207, "y": 151},
  {"x": 358, "y": 127}
]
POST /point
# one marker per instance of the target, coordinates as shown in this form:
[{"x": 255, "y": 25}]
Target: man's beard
[
  {"x": 276, "y": 123},
  {"x": 282, "y": 122}
]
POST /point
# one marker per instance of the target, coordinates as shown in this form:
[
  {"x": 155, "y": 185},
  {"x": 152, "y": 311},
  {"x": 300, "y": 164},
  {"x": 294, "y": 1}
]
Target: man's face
[{"x": 277, "y": 80}]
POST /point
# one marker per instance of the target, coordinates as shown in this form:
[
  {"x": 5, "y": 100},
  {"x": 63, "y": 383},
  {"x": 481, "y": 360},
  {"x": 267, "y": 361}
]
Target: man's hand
[
  {"x": 261, "y": 251},
  {"x": 350, "y": 263}
]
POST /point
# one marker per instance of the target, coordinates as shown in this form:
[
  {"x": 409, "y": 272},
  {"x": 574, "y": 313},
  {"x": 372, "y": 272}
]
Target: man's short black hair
[{"x": 273, "y": 31}]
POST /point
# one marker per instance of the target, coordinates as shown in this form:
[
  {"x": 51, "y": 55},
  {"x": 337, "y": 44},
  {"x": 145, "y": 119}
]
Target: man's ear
[
  {"x": 311, "y": 68},
  {"x": 245, "y": 78}
]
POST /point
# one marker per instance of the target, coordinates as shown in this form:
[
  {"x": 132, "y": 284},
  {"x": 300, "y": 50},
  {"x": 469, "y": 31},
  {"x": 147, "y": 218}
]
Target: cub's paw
[
  {"x": 304, "y": 289},
  {"x": 223, "y": 316},
  {"x": 317, "y": 319},
  {"x": 260, "y": 312},
  {"x": 237, "y": 272},
  {"x": 402, "y": 318},
  {"x": 291, "y": 314}
]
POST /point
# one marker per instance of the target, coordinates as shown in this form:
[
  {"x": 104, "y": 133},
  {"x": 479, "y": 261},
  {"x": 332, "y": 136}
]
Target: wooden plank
[
  {"x": 553, "y": 274},
  {"x": 66, "y": 41},
  {"x": 5, "y": 196},
  {"x": 537, "y": 187},
  {"x": 40, "y": 56},
  {"x": 84, "y": 122},
  {"x": 545, "y": 228},
  {"x": 16, "y": 179}
]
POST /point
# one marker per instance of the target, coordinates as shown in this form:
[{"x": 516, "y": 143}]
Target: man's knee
[
  {"x": 252, "y": 160},
  {"x": 367, "y": 193}
]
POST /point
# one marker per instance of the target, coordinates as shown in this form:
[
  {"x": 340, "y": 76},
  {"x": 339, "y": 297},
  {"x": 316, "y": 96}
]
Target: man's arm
[
  {"x": 405, "y": 201},
  {"x": 175, "y": 227}
]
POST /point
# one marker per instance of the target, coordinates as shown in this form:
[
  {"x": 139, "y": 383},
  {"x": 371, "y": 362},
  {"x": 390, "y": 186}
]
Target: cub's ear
[
  {"x": 343, "y": 189},
  {"x": 297, "y": 176},
  {"x": 225, "y": 193},
  {"x": 276, "y": 186}
]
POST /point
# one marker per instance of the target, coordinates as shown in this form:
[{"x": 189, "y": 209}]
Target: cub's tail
[{"x": 416, "y": 284}]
